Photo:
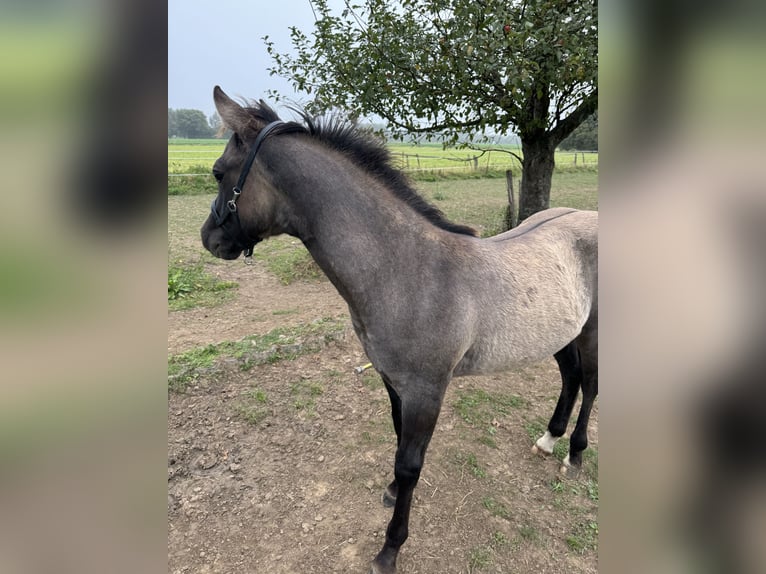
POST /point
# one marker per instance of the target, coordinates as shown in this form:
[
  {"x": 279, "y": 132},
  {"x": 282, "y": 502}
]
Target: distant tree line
[
  {"x": 186, "y": 123},
  {"x": 585, "y": 136}
]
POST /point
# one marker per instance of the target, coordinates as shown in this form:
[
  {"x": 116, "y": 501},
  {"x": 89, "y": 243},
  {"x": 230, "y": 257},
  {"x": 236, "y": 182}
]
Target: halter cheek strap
[{"x": 251, "y": 157}]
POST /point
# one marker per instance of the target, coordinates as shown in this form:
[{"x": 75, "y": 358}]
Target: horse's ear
[{"x": 232, "y": 114}]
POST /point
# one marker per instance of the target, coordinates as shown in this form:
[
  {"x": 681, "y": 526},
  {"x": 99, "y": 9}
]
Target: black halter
[{"x": 221, "y": 213}]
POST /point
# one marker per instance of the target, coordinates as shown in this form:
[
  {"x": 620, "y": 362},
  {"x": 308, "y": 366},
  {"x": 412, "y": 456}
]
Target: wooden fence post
[{"x": 511, "y": 217}]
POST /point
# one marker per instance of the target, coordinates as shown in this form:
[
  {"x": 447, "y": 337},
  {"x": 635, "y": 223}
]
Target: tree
[
  {"x": 172, "y": 123},
  {"x": 585, "y": 137},
  {"x": 452, "y": 67},
  {"x": 188, "y": 124},
  {"x": 215, "y": 122}
]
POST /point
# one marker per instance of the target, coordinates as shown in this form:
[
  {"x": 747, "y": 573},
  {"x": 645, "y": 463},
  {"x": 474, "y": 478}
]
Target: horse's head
[{"x": 247, "y": 208}]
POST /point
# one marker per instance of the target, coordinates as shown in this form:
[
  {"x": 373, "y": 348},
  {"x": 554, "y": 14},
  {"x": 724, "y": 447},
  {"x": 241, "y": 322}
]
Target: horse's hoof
[
  {"x": 544, "y": 445},
  {"x": 388, "y": 500},
  {"x": 568, "y": 469},
  {"x": 385, "y": 561},
  {"x": 377, "y": 570}
]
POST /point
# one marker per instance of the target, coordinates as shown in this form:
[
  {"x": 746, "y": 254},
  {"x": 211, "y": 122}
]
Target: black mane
[{"x": 366, "y": 151}]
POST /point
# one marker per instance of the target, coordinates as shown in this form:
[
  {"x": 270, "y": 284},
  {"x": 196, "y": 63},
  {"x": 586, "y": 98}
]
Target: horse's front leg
[
  {"x": 390, "y": 494},
  {"x": 419, "y": 409}
]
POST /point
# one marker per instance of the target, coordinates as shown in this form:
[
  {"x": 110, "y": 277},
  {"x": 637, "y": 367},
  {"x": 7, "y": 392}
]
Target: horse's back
[
  {"x": 557, "y": 236},
  {"x": 581, "y": 223},
  {"x": 538, "y": 289}
]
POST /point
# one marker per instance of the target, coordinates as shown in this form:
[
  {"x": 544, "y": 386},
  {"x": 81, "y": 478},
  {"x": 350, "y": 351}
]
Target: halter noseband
[{"x": 221, "y": 215}]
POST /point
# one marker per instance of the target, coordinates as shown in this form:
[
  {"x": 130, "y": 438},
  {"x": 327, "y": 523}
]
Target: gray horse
[{"x": 428, "y": 299}]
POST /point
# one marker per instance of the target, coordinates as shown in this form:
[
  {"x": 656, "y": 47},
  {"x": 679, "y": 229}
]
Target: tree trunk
[{"x": 536, "y": 174}]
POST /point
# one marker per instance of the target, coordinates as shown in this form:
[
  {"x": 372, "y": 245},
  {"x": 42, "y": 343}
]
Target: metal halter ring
[{"x": 232, "y": 203}]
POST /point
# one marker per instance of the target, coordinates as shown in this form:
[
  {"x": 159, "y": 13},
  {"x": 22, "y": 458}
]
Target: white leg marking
[{"x": 545, "y": 443}]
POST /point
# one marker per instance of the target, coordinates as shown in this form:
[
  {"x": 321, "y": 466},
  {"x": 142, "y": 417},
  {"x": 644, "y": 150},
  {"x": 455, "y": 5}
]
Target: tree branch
[
  {"x": 359, "y": 22},
  {"x": 566, "y": 126},
  {"x": 483, "y": 150},
  {"x": 449, "y": 125},
  {"x": 561, "y": 104}
]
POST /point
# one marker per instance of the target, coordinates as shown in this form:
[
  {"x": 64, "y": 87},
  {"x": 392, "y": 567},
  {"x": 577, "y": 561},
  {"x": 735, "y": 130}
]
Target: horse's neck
[
  {"x": 355, "y": 242},
  {"x": 355, "y": 228}
]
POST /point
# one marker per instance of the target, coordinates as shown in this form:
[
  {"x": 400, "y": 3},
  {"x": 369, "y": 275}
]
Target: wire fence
[
  {"x": 488, "y": 161},
  {"x": 408, "y": 162}
]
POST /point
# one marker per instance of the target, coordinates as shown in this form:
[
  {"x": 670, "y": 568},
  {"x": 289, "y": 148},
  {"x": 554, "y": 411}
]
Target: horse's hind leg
[
  {"x": 578, "y": 442},
  {"x": 568, "y": 360}
]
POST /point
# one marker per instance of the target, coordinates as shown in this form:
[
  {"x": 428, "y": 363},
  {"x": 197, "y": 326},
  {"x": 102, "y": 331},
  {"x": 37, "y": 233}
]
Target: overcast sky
[{"x": 220, "y": 42}]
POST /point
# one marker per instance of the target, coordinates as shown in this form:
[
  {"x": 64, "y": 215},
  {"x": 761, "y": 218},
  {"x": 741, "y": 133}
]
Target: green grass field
[
  {"x": 482, "y": 202},
  {"x": 197, "y": 156}
]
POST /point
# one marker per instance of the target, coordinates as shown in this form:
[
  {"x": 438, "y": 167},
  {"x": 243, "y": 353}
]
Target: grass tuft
[
  {"x": 496, "y": 508},
  {"x": 584, "y": 538},
  {"x": 482, "y": 556},
  {"x": 479, "y": 558},
  {"x": 190, "y": 286},
  {"x": 253, "y": 410},
  {"x": 288, "y": 260},
  {"x": 479, "y": 409},
  {"x": 371, "y": 379},
  {"x": 282, "y": 343},
  {"x": 528, "y": 533},
  {"x": 499, "y": 539},
  {"x": 304, "y": 394},
  {"x": 472, "y": 464}
]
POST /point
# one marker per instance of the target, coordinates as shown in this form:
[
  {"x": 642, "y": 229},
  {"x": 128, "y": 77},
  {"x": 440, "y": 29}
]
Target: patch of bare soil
[
  {"x": 261, "y": 304},
  {"x": 280, "y": 469}
]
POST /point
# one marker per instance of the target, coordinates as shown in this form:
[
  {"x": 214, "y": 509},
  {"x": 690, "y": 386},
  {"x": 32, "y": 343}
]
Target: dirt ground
[{"x": 280, "y": 469}]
